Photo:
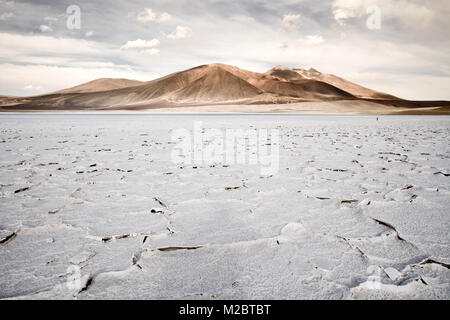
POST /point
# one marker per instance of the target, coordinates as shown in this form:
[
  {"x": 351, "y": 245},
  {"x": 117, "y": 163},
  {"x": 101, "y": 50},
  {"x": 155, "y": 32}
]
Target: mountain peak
[
  {"x": 221, "y": 66},
  {"x": 311, "y": 73},
  {"x": 280, "y": 67},
  {"x": 218, "y": 64}
]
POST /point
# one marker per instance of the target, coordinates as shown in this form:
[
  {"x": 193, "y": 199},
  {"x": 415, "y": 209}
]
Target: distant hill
[{"x": 103, "y": 84}]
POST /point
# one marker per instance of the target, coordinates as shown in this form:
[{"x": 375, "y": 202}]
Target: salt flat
[{"x": 93, "y": 207}]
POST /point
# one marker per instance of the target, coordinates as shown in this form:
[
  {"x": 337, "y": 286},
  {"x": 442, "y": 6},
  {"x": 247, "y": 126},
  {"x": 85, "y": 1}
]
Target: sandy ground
[
  {"x": 93, "y": 207},
  {"x": 334, "y": 107}
]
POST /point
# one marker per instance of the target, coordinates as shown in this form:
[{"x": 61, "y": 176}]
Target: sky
[{"x": 400, "y": 47}]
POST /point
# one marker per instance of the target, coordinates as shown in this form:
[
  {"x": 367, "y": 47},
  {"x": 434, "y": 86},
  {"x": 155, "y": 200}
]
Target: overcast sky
[{"x": 406, "y": 52}]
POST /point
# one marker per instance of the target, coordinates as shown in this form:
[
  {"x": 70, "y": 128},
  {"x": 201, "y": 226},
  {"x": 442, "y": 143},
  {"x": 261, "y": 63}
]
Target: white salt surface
[{"x": 93, "y": 207}]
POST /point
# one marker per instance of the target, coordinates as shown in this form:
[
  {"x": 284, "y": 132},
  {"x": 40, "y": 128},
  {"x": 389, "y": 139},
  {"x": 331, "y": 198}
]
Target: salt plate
[{"x": 350, "y": 193}]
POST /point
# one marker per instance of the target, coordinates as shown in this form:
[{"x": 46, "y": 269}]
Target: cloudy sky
[{"x": 400, "y": 47}]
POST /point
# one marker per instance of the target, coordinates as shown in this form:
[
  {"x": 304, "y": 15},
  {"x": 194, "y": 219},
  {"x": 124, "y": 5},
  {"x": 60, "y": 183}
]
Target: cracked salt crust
[{"x": 355, "y": 200}]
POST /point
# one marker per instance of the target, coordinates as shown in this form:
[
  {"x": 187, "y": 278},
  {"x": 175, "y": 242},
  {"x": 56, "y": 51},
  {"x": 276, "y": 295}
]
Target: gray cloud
[{"x": 408, "y": 56}]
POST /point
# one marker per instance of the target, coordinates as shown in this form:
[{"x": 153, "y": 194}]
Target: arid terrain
[
  {"x": 94, "y": 207},
  {"x": 225, "y": 89}
]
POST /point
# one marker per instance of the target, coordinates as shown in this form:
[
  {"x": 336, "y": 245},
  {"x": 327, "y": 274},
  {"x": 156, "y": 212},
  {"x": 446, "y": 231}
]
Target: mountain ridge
[
  {"x": 210, "y": 84},
  {"x": 101, "y": 84}
]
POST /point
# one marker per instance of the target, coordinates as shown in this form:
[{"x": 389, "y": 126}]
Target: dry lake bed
[{"x": 99, "y": 206}]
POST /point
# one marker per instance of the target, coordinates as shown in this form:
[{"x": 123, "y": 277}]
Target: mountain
[
  {"x": 103, "y": 84},
  {"x": 288, "y": 74},
  {"x": 212, "y": 84}
]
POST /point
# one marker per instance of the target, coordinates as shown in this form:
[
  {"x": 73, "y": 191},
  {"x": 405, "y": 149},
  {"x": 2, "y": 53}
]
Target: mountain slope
[
  {"x": 216, "y": 85},
  {"x": 289, "y": 74},
  {"x": 103, "y": 84},
  {"x": 305, "y": 89}
]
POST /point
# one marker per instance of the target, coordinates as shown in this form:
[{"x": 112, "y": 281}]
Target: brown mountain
[
  {"x": 288, "y": 74},
  {"x": 213, "y": 84},
  {"x": 103, "y": 84}
]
